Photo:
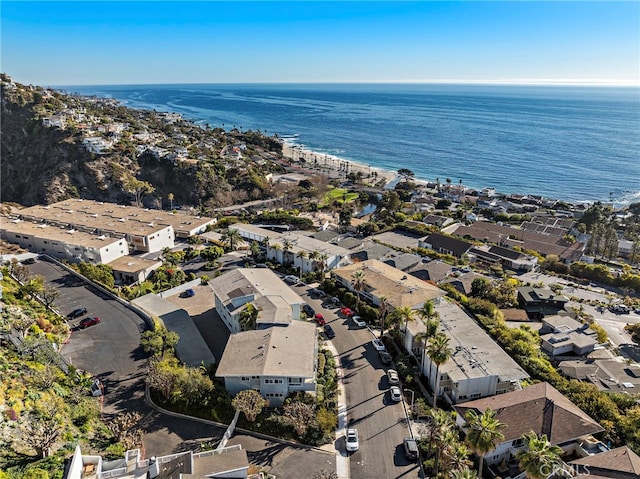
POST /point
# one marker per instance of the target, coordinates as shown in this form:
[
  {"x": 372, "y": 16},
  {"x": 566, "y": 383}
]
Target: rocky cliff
[{"x": 44, "y": 164}]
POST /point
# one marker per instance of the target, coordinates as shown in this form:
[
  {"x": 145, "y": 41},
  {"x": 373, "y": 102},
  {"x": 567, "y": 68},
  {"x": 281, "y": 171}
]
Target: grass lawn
[{"x": 339, "y": 194}]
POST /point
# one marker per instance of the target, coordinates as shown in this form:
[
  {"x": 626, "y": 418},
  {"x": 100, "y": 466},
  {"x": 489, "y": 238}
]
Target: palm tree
[
  {"x": 275, "y": 247},
  {"x": 286, "y": 246},
  {"x": 322, "y": 262},
  {"x": 456, "y": 456},
  {"x": 439, "y": 353},
  {"x": 431, "y": 320},
  {"x": 232, "y": 237},
  {"x": 170, "y": 197},
  {"x": 249, "y": 317},
  {"x": 358, "y": 285},
  {"x": 383, "y": 308},
  {"x": 464, "y": 473},
  {"x": 483, "y": 431},
  {"x": 265, "y": 243},
  {"x": 441, "y": 422},
  {"x": 539, "y": 457},
  {"x": 301, "y": 255},
  {"x": 406, "y": 313},
  {"x": 445, "y": 439}
]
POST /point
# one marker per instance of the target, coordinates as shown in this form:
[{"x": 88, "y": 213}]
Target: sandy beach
[{"x": 333, "y": 166}]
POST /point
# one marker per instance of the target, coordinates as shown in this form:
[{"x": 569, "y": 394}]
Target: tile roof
[{"x": 541, "y": 408}]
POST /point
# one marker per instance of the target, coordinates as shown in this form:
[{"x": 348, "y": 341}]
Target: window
[
  {"x": 518, "y": 442},
  {"x": 295, "y": 380},
  {"x": 278, "y": 381},
  {"x": 464, "y": 396},
  {"x": 255, "y": 377},
  {"x": 476, "y": 395},
  {"x": 244, "y": 378},
  {"x": 45, "y": 242},
  {"x": 268, "y": 381}
]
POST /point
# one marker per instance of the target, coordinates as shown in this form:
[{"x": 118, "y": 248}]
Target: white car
[
  {"x": 358, "y": 321},
  {"x": 392, "y": 376},
  {"x": 378, "y": 344},
  {"x": 352, "y": 440},
  {"x": 395, "y": 393},
  {"x": 290, "y": 279}
]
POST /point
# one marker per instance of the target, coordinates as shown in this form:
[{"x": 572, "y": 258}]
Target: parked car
[
  {"x": 76, "y": 313},
  {"x": 410, "y": 448},
  {"x": 316, "y": 292},
  {"x": 290, "y": 279},
  {"x": 86, "y": 322},
  {"x": 188, "y": 293},
  {"x": 378, "y": 344},
  {"x": 392, "y": 376},
  {"x": 335, "y": 300},
  {"x": 395, "y": 393},
  {"x": 328, "y": 330},
  {"x": 320, "y": 319},
  {"x": 29, "y": 261},
  {"x": 358, "y": 321},
  {"x": 348, "y": 312},
  {"x": 308, "y": 310},
  {"x": 352, "y": 440},
  {"x": 385, "y": 357}
]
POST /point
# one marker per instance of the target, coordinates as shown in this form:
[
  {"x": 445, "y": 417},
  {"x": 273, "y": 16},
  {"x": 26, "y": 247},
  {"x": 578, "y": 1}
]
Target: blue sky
[{"x": 75, "y": 43}]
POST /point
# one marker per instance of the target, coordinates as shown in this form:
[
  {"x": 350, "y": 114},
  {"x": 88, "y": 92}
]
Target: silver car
[
  {"x": 395, "y": 393},
  {"x": 392, "y": 376},
  {"x": 352, "y": 440}
]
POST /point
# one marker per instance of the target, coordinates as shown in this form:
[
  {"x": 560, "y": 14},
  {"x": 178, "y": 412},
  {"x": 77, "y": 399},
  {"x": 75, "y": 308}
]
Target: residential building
[
  {"x": 133, "y": 269},
  {"x": 478, "y": 367},
  {"x": 506, "y": 257},
  {"x": 435, "y": 271},
  {"x": 539, "y": 408},
  {"x": 539, "y": 302},
  {"x": 64, "y": 243},
  {"x": 275, "y": 361},
  {"x": 463, "y": 282},
  {"x": 96, "y": 144},
  {"x": 445, "y": 244},
  {"x": 228, "y": 462},
  {"x": 382, "y": 280},
  {"x": 278, "y": 304},
  {"x": 565, "y": 335},
  {"x": 295, "y": 248},
  {"x": 618, "y": 463},
  {"x": 437, "y": 220}
]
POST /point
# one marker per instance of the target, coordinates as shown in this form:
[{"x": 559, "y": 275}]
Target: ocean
[{"x": 574, "y": 143}]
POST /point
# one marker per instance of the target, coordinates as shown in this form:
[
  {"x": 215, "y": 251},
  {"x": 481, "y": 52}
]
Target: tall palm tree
[
  {"x": 301, "y": 255},
  {"x": 539, "y": 457},
  {"x": 431, "y": 319},
  {"x": 383, "y": 310},
  {"x": 405, "y": 313},
  {"x": 358, "y": 284},
  {"x": 455, "y": 456},
  {"x": 249, "y": 317},
  {"x": 265, "y": 243},
  {"x": 322, "y": 262},
  {"x": 440, "y": 425},
  {"x": 445, "y": 439},
  {"x": 286, "y": 246},
  {"x": 439, "y": 353},
  {"x": 313, "y": 256},
  {"x": 232, "y": 237},
  {"x": 275, "y": 247},
  {"x": 483, "y": 431}
]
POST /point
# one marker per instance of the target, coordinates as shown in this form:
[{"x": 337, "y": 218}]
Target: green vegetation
[{"x": 46, "y": 406}]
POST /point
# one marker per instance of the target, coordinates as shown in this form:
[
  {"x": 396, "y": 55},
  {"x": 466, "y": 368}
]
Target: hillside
[{"x": 55, "y": 146}]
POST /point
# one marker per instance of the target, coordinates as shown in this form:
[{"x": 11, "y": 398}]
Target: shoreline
[{"x": 331, "y": 163}]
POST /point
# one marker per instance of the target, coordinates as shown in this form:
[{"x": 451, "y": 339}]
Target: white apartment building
[{"x": 64, "y": 243}]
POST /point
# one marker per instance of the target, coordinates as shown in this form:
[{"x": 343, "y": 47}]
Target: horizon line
[{"x": 523, "y": 82}]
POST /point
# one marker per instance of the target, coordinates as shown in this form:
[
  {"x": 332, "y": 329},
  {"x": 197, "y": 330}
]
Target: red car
[
  {"x": 320, "y": 319},
  {"x": 86, "y": 322},
  {"x": 348, "y": 312}
]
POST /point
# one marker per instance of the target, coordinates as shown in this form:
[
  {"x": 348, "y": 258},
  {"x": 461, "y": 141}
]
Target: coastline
[{"x": 335, "y": 166}]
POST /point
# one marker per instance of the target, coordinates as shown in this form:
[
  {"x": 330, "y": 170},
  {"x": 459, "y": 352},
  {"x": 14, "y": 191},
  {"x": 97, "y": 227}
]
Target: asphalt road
[
  {"x": 381, "y": 423},
  {"x": 111, "y": 351}
]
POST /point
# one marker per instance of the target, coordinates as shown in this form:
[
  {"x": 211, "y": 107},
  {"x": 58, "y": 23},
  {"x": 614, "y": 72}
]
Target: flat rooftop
[
  {"x": 55, "y": 233},
  {"x": 475, "y": 353},
  {"x": 85, "y": 212}
]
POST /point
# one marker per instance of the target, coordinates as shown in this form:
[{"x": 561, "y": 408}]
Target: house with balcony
[
  {"x": 274, "y": 361},
  {"x": 478, "y": 366},
  {"x": 539, "y": 408},
  {"x": 277, "y": 303},
  {"x": 290, "y": 247}
]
